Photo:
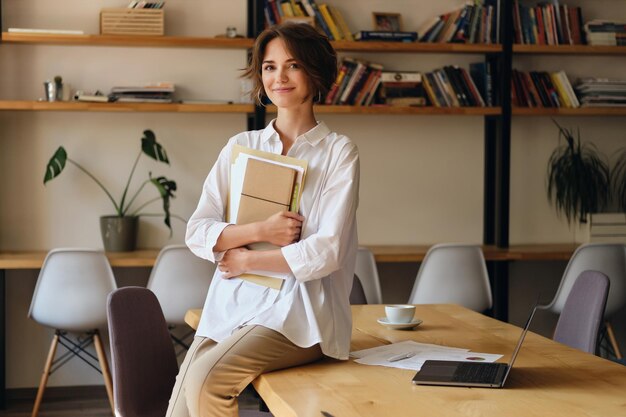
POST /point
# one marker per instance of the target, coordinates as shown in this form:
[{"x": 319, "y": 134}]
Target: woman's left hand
[{"x": 233, "y": 263}]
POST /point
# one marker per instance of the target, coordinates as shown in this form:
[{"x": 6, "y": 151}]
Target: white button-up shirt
[{"x": 312, "y": 305}]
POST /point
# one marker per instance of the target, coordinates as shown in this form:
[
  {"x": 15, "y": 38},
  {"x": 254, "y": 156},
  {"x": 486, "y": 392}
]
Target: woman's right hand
[{"x": 282, "y": 228}]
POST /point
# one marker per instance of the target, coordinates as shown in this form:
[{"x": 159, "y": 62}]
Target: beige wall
[{"x": 422, "y": 177}]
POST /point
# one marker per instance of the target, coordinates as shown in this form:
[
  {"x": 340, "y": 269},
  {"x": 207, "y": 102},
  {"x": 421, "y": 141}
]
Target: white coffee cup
[{"x": 400, "y": 313}]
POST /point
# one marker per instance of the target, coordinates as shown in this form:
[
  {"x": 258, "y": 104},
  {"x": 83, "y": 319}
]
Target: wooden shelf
[
  {"x": 581, "y": 111},
  {"x": 423, "y": 47},
  {"x": 382, "y": 253},
  {"x": 123, "y": 40},
  {"x": 426, "y": 111},
  {"x": 124, "y": 107},
  {"x": 569, "y": 49}
]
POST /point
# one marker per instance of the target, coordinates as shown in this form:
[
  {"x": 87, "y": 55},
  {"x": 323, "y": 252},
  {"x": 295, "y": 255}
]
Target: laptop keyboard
[{"x": 474, "y": 372}]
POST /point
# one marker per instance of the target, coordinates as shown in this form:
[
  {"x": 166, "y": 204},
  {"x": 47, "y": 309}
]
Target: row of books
[
  {"x": 452, "y": 86},
  {"x": 603, "y": 32},
  {"x": 145, "y": 5},
  {"x": 474, "y": 23},
  {"x": 326, "y": 17},
  {"x": 601, "y": 92},
  {"x": 361, "y": 83},
  {"x": 356, "y": 84},
  {"x": 548, "y": 24},
  {"x": 542, "y": 89}
]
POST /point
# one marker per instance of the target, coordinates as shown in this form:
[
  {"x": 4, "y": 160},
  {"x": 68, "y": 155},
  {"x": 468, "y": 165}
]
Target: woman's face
[{"x": 284, "y": 80}]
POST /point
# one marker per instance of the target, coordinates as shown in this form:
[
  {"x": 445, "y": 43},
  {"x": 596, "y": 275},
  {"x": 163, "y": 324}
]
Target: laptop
[{"x": 470, "y": 374}]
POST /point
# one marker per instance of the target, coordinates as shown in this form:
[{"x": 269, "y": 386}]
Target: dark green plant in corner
[
  {"x": 165, "y": 187},
  {"x": 578, "y": 179}
]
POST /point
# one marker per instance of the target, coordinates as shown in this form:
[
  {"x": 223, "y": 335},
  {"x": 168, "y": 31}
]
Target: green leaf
[
  {"x": 55, "y": 165},
  {"x": 152, "y": 148},
  {"x": 166, "y": 190}
]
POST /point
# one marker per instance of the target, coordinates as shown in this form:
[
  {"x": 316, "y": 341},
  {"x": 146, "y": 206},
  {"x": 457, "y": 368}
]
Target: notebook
[{"x": 470, "y": 374}]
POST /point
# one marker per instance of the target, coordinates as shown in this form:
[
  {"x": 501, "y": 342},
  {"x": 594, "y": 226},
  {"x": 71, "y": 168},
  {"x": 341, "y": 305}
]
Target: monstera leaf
[
  {"x": 166, "y": 190},
  {"x": 55, "y": 165},
  {"x": 152, "y": 148}
]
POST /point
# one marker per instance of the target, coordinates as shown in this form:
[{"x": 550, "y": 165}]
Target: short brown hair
[{"x": 310, "y": 49}]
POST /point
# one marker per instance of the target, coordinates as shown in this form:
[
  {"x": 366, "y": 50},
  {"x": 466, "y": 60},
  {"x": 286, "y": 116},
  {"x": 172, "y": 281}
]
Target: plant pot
[{"x": 119, "y": 234}]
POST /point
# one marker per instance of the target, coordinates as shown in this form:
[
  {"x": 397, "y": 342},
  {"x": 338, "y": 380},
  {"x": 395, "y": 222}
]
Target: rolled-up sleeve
[
  {"x": 322, "y": 253},
  {"x": 208, "y": 220}
]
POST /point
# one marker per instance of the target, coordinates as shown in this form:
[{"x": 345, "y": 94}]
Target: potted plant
[
  {"x": 578, "y": 178},
  {"x": 119, "y": 230}
]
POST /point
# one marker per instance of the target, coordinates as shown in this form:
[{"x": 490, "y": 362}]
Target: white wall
[{"x": 422, "y": 177}]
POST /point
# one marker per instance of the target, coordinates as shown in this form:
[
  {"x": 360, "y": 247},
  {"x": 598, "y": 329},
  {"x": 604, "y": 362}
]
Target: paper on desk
[{"x": 422, "y": 352}]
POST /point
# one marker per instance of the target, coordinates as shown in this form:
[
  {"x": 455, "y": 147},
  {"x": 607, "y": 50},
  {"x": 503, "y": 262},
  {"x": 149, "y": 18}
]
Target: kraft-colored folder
[{"x": 268, "y": 188}]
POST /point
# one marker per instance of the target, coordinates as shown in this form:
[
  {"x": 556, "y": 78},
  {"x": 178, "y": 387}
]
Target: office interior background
[{"x": 421, "y": 176}]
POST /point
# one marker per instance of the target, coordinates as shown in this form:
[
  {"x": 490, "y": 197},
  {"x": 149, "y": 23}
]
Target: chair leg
[
  {"x": 45, "y": 375},
  {"x": 609, "y": 332},
  {"x": 104, "y": 366}
]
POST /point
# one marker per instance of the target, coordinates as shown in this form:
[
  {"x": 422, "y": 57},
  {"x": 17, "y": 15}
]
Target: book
[
  {"x": 402, "y": 89},
  {"x": 332, "y": 26},
  {"x": 346, "y": 34},
  {"x": 379, "y": 35}
]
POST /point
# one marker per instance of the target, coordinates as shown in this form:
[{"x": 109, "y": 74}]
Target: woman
[{"x": 247, "y": 329}]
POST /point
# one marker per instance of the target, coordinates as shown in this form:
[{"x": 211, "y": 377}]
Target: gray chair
[
  {"x": 367, "y": 271},
  {"x": 608, "y": 258},
  {"x": 583, "y": 312},
  {"x": 180, "y": 280},
  {"x": 142, "y": 354},
  {"x": 70, "y": 297},
  {"x": 357, "y": 294},
  {"x": 455, "y": 274}
]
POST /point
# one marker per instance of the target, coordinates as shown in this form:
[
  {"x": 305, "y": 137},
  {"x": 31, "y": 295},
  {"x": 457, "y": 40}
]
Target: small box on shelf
[{"x": 123, "y": 21}]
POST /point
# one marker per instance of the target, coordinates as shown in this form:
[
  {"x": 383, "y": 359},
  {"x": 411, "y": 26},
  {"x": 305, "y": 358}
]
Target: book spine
[
  {"x": 430, "y": 93},
  {"x": 477, "y": 98},
  {"x": 329, "y": 21},
  {"x": 346, "y": 34}
]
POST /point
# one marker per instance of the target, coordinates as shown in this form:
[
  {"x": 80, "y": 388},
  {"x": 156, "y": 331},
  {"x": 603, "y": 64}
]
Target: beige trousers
[{"x": 214, "y": 374}]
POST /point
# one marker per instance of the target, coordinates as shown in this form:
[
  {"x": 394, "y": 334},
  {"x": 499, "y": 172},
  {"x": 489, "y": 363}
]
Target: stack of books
[
  {"x": 326, "y": 17},
  {"x": 602, "y": 92},
  {"x": 149, "y": 93},
  {"x": 542, "y": 89},
  {"x": 145, "y": 5},
  {"x": 386, "y": 36},
  {"x": 602, "y": 32},
  {"x": 356, "y": 84},
  {"x": 402, "y": 89},
  {"x": 473, "y": 23},
  {"x": 548, "y": 24},
  {"x": 452, "y": 86}
]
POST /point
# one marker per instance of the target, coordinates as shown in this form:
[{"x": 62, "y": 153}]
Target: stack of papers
[
  {"x": 162, "y": 92},
  {"x": 412, "y": 355}
]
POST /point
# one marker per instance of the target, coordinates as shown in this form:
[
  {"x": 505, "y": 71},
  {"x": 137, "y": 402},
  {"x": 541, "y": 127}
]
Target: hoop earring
[{"x": 319, "y": 96}]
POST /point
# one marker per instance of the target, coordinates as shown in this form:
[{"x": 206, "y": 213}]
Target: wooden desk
[
  {"x": 547, "y": 379},
  {"x": 382, "y": 253}
]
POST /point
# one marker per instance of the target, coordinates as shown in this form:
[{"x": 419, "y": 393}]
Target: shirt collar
[{"x": 313, "y": 136}]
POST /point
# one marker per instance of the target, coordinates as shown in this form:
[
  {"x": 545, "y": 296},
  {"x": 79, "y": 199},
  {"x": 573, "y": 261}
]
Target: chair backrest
[
  {"x": 357, "y": 295},
  {"x": 72, "y": 290},
  {"x": 583, "y": 312},
  {"x": 368, "y": 273},
  {"x": 142, "y": 354},
  {"x": 180, "y": 281},
  {"x": 453, "y": 273},
  {"x": 608, "y": 258}
]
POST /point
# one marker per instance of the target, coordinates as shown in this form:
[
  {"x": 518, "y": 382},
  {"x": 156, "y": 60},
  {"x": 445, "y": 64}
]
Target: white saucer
[{"x": 399, "y": 326}]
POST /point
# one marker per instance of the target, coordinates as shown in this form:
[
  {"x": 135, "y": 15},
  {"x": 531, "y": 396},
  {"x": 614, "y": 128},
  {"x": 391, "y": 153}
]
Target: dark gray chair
[
  {"x": 142, "y": 354},
  {"x": 357, "y": 294},
  {"x": 583, "y": 312}
]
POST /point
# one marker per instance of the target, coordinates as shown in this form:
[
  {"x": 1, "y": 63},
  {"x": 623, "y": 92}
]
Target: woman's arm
[
  {"x": 241, "y": 260},
  {"x": 280, "y": 229}
]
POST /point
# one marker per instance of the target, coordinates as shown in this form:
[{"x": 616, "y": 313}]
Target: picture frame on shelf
[{"x": 387, "y": 22}]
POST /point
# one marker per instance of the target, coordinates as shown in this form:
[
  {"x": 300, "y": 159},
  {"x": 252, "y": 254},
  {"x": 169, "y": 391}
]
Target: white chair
[
  {"x": 70, "y": 297},
  {"x": 180, "y": 280},
  {"x": 608, "y": 258},
  {"x": 453, "y": 273},
  {"x": 368, "y": 275}
]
